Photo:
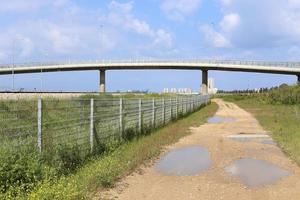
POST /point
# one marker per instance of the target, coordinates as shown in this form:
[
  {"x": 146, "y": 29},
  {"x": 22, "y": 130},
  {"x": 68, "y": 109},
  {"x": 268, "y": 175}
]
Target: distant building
[
  {"x": 178, "y": 90},
  {"x": 211, "y": 86},
  {"x": 211, "y": 89}
]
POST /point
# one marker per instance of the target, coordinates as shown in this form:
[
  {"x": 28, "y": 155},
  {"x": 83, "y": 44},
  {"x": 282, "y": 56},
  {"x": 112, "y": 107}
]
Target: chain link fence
[{"x": 88, "y": 124}]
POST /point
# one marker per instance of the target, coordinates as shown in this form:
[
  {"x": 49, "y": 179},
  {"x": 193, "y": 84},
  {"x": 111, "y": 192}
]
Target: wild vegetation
[
  {"x": 284, "y": 94},
  {"x": 23, "y": 169},
  {"x": 278, "y": 111}
]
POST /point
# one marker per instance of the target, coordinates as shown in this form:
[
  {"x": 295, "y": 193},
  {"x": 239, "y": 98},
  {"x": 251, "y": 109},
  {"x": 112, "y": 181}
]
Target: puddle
[
  {"x": 256, "y": 173},
  {"x": 270, "y": 142},
  {"x": 218, "y": 119},
  {"x": 187, "y": 161},
  {"x": 263, "y": 139}
]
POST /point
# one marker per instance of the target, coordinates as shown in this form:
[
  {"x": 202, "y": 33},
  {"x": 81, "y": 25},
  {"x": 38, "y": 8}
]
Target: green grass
[
  {"x": 66, "y": 135},
  {"x": 282, "y": 120},
  {"x": 105, "y": 170}
]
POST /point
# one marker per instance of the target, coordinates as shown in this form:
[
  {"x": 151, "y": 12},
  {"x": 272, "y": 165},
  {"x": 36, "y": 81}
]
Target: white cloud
[
  {"x": 62, "y": 41},
  {"x": 230, "y": 22},
  {"x": 29, "y": 5},
  {"x": 121, "y": 16},
  {"x": 227, "y": 2},
  {"x": 3, "y": 56},
  {"x": 163, "y": 38},
  {"x": 294, "y": 4},
  {"x": 265, "y": 24},
  {"x": 177, "y": 9},
  {"x": 214, "y": 38},
  {"x": 74, "y": 32},
  {"x": 121, "y": 7},
  {"x": 27, "y": 47}
]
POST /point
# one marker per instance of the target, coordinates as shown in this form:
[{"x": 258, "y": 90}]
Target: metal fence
[{"x": 87, "y": 123}]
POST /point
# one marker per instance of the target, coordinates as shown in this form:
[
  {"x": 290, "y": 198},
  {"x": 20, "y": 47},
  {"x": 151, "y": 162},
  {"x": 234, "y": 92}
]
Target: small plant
[{"x": 68, "y": 158}]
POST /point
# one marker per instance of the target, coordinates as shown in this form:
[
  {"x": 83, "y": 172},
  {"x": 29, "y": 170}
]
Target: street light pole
[
  {"x": 13, "y": 65},
  {"x": 13, "y": 61}
]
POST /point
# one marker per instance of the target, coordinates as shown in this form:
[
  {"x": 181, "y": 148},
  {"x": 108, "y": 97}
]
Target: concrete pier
[
  {"x": 298, "y": 79},
  {"x": 204, "y": 88},
  {"x": 102, "y": 81}
]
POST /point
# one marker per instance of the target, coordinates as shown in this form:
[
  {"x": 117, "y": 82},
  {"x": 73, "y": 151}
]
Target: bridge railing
[{"x": 155, "y": 61}]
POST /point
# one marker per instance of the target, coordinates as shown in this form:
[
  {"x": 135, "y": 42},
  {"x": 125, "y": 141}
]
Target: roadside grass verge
[
  {"x": 105, "y": 170},
  {"x": 282, "y": 120}
]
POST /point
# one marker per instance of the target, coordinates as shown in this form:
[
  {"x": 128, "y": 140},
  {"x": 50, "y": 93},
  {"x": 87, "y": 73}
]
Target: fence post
[
  {"x": 186, "y": 106},
  {"x": 140, "y": 115},
  {"x": 171, "y": 107},
  {"x": 40, "y": 118},
  {"x": 92, "y": 125},
  {"x": 163, "y": 111},
  {"x": 181, "y": 106},
  {"x": 176, "y": 108},
  {"x": 193, "y": 103},
  {"x": 153, "y": 113},
  {"x": 121, "y": 118}
]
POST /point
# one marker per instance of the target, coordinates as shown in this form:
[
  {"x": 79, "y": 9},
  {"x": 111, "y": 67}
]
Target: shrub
[{"x": 20, "y": 170}]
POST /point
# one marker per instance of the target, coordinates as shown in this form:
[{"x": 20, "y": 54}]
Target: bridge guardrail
[{"x": 223, "y": 62}]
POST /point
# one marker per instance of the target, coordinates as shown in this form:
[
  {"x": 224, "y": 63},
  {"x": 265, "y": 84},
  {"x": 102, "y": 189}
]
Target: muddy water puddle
[
  {"x": 256, "y": 173},
  {"x": 219, "y": 119},
  {"x": 188, "y": 161},
  {"x": 263, "y": 139}
]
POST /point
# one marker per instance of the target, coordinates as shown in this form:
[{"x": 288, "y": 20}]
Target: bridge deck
[{"x": 292, "y": 68}]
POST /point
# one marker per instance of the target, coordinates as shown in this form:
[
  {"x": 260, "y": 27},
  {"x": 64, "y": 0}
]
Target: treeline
[{"x": 250, "y": 91}]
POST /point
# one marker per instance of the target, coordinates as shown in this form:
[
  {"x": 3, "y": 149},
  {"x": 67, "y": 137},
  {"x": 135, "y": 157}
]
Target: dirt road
[{"x": 214, "y": 183}]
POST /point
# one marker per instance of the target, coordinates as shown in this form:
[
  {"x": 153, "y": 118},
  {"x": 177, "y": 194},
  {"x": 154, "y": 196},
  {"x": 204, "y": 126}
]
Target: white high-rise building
[
  {"x": 211, "y": 86},
  {"x": 178, "y": 90}
]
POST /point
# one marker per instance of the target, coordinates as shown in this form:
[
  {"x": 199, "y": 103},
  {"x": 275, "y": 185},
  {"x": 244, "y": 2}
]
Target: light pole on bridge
[{"x": 13, "y": 61}]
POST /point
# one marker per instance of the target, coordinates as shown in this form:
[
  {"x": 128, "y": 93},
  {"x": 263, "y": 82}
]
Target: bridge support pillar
[
  {"x": 102, "y": 81},
  {"x": 298, "y": 79},
  {"x": 204, "y": 86}
]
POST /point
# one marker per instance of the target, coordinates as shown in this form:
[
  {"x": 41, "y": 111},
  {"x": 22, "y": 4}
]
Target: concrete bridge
[{"x": 289, "y": 68}]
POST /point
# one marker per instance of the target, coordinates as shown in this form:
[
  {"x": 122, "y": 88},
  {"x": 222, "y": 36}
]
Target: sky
[{"x": 61, "y": 30}]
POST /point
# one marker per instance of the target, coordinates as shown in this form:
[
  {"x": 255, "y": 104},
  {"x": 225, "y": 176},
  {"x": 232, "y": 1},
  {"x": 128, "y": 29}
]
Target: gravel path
[{"x": 215, "y": 183}]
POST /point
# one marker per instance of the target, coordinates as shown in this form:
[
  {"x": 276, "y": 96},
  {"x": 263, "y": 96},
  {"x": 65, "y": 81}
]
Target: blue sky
[{"x": 48, "y": 30}]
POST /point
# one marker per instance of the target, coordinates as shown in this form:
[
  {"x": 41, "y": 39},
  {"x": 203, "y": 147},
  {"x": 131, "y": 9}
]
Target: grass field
[
  {"x": 282, "y": 120},
  {"x": 66, "y": 135},
  {"x": 106, "y": 170}
]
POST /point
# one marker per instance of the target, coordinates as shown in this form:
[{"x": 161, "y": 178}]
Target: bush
[
  {"x": 68, "y": 158},
  {"x": 288, "y": 95},
  {"x": 20, "y": 170}
]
